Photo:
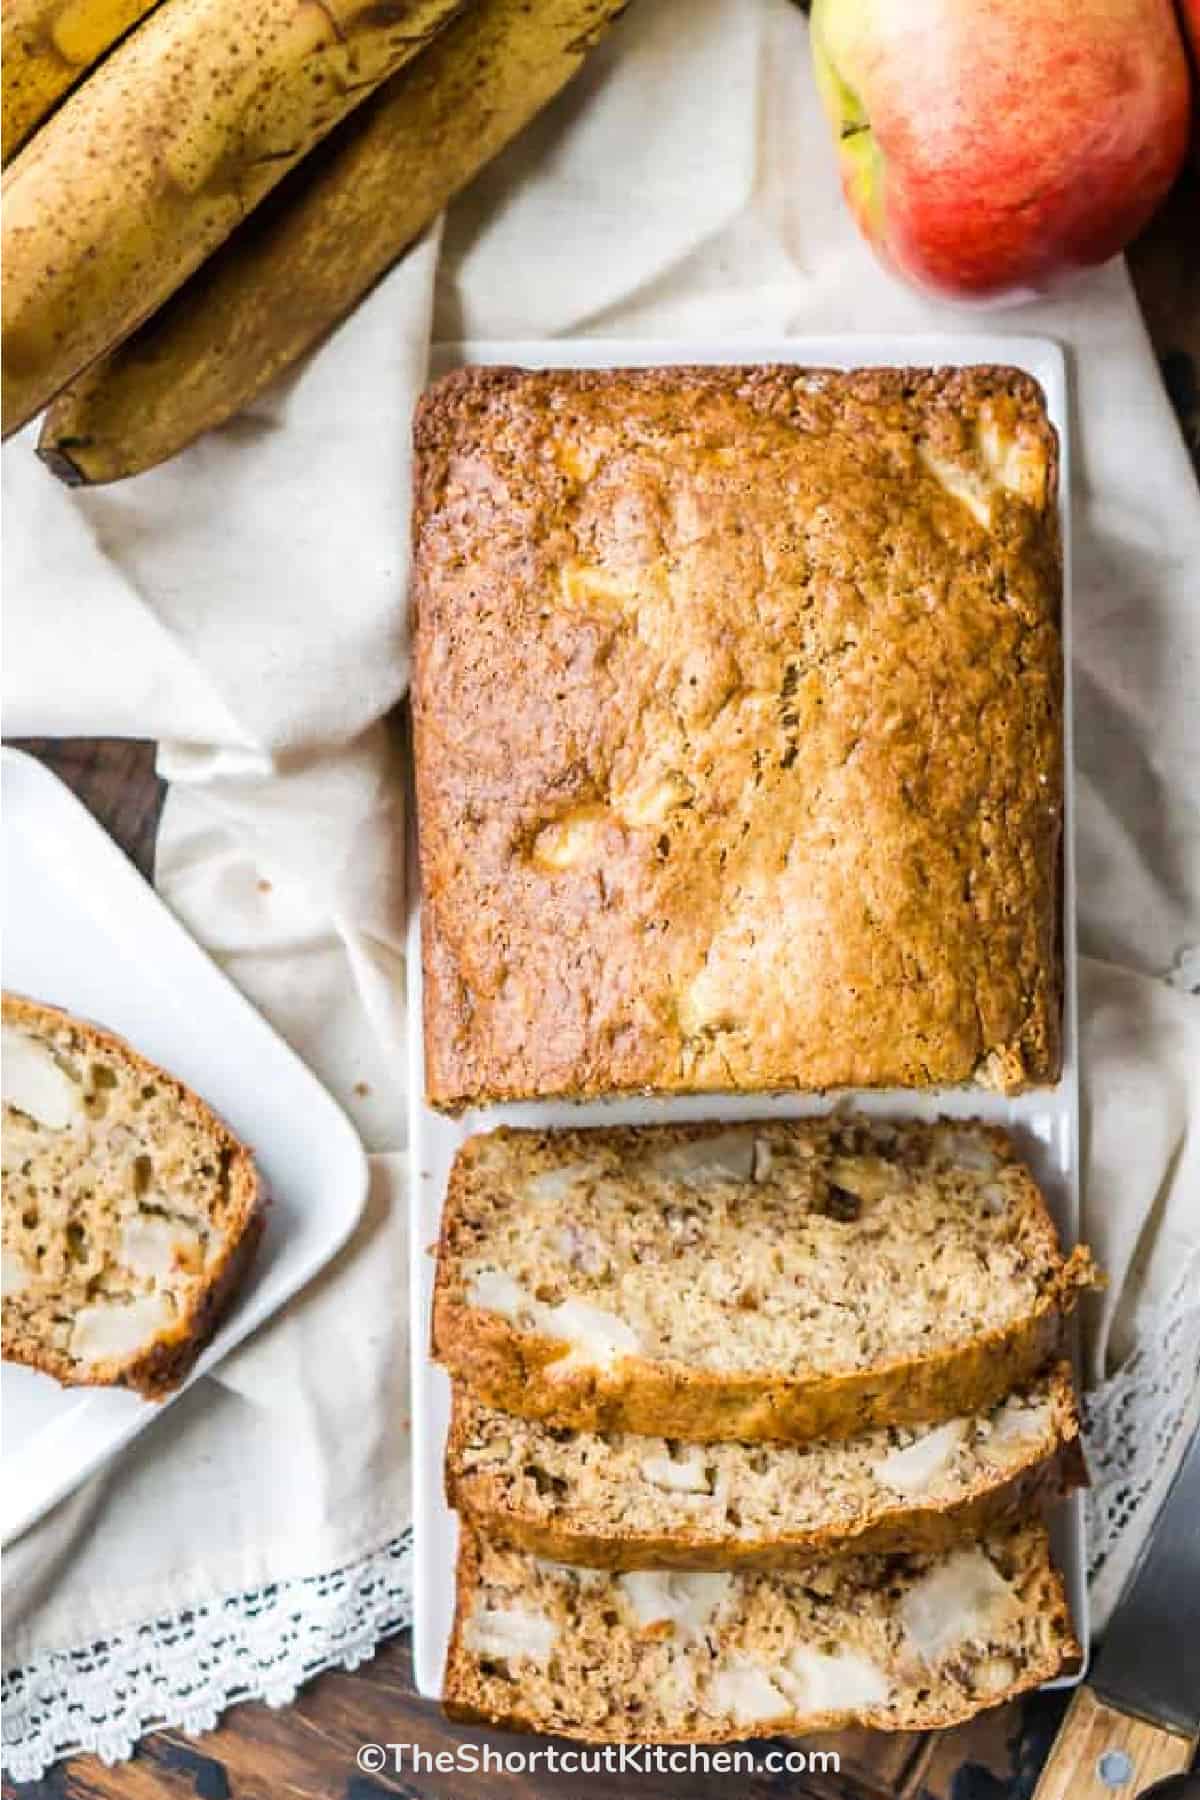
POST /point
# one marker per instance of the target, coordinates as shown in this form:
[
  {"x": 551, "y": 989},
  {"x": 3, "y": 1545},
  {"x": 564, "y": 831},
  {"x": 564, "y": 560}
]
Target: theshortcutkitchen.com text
[{"x": 594, "y": 1759}]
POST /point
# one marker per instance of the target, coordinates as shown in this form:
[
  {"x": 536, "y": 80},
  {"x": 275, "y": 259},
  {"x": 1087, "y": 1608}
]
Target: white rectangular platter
[
  {"x": 82, "y": 930},
  {"x": 1044, "y": 1123}
]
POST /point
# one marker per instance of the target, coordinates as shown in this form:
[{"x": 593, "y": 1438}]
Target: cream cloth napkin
[{"x": 246, "y": 606}]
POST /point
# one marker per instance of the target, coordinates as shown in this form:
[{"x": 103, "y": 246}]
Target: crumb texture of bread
[
  {"x": 738, "y": 729},
  {"x": 621, "y": 1501},
  {"x": 899, "y": 1643},
  {"x": 775, "y": 1280},
  {"x": 130, "y": 1212}
]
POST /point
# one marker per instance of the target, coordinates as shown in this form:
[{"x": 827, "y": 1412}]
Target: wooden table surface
[{"x": 307, "y": 1751}]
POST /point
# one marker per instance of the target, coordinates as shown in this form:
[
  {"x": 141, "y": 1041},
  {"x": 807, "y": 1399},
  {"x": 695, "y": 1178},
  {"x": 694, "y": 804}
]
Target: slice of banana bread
[
  {"x": 899, "y": 1643},
  {"x": 130, "y": 1212},
  {"x": 793, "y": 1280},
  {"x": 627, "y": 1502}
]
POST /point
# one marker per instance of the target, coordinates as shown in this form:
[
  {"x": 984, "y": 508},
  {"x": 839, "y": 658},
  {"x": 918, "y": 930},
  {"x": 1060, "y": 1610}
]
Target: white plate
[
  {"x": 1044, "y": 1123},
  {"x": 84, "y": 931}
]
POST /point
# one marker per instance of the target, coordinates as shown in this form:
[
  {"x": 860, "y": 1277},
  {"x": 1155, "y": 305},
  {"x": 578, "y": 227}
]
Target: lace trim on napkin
[
  {"x": 184, "y": 1669},
  {"x": 1137, "y": 1426}
]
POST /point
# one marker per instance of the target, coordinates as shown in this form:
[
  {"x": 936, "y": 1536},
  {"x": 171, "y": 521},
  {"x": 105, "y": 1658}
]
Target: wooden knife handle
[{"x": 1101, "y": 1753}]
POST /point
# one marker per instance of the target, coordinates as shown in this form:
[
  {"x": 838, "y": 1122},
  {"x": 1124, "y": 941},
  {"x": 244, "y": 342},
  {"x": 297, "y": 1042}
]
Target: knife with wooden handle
[{"x": 1137, "y": 1720}]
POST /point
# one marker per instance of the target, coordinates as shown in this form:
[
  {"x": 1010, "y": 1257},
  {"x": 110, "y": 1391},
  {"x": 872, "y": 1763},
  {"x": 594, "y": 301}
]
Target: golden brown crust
[
  {"x": 462, "y": 1699},
  {"x": 168, "y": 1360},
  {"x": 511, "y": 1369},
  {"x": 903, "y": 1526},
  {"x": 530, "y": 1374},
  {"x": 738, "y": 731},
  {"x": 922, "y": 1528}
]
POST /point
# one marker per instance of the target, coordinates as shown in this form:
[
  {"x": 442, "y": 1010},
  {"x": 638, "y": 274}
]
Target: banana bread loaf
[
  {"x": 621, "y": 1501},
  {"x": 792, "y": 1280},
  {"x": 130, "y": 1212},
  {"x": 898, "y": 1643},
  {"x": 738, "y": 730}
]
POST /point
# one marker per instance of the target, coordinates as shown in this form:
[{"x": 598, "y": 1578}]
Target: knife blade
[
  {"x": 1137, "y": 1720},
  {"x": 1149, "y": 1663}
]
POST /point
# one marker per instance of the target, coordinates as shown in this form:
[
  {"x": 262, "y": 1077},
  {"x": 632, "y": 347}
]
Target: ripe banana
[
  {"x": 303, "y": 261},
  {"x": 149, "y": 165},
  {"x": 45, "y": 46}
]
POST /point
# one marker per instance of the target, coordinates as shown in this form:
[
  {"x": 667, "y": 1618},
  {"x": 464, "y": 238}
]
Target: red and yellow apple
[
  {"x": 989, "y": 146},
  {"x": 1189, "y": 12}
]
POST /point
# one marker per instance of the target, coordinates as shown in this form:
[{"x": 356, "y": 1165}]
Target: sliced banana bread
[
  {"x": 622, "y": 1501},
  {"x": 793, "y": 1280},
  {"x": 900, "y": 1643},
  {"x": 130, "y": 1212}
]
